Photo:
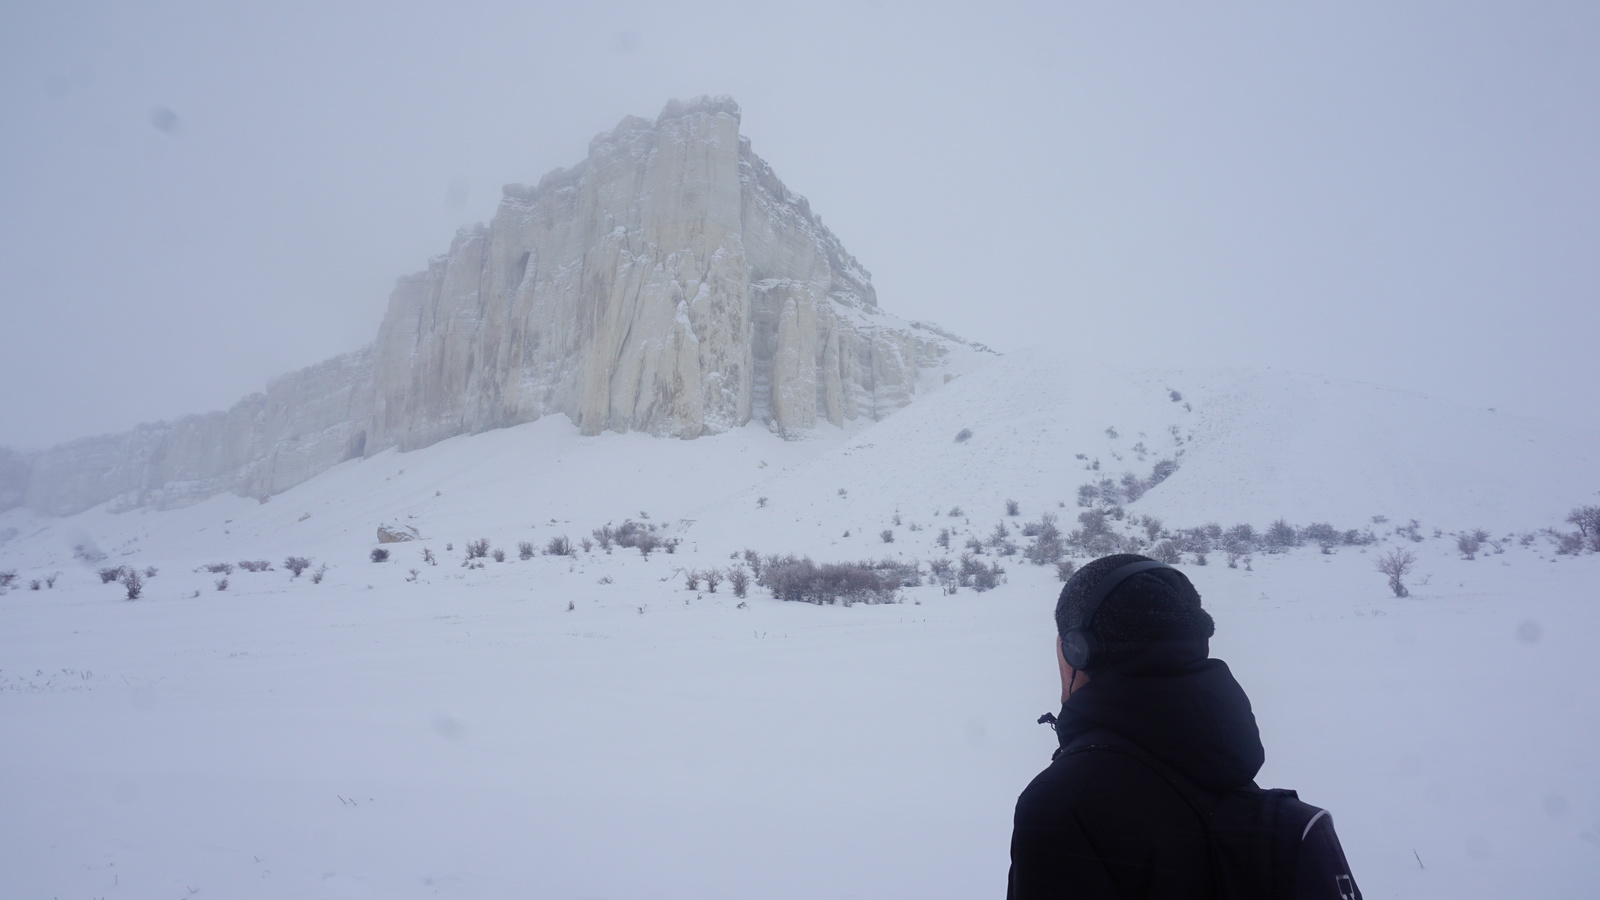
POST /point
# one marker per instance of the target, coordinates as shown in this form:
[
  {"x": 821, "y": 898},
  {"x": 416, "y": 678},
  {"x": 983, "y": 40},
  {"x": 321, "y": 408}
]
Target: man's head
[{"x": 1155, "y": 605}]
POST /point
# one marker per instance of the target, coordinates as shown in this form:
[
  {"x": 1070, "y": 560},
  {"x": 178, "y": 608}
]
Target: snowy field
[{"x": 588, "y": 727}]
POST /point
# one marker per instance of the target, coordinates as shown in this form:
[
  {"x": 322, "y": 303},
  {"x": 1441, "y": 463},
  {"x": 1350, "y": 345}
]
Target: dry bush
[{"x": 1395, "y": 564}]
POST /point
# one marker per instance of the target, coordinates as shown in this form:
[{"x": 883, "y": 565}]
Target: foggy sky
[{"x": 195, "y": 199}]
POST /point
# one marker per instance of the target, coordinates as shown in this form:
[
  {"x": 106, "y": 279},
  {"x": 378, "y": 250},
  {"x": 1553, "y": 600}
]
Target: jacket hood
[{"x": 1180, "y": 707}]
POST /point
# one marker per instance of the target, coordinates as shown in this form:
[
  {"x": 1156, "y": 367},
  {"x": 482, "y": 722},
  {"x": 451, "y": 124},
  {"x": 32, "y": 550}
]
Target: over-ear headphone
[{"x": 1080, "y": 645}]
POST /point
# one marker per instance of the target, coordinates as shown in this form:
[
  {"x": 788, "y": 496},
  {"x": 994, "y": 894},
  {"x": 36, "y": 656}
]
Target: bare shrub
[
  {"x": 646, "y": 542},
  {"x": 478, "y": 549},
  {"x": 1468, "y": 544},
  {"x": 35, "y": 584},
  {"x": 713, "y": 578},
  {"x": 586, "y": 544},
  {"x": 1587, "y": 518},
  {"x": 427, "y": 557},
  {"x": 524, "y": 550},
  {"x": 316, "y": 577},
  {"x": 1013, "y": 508},
  {"x": 49, "y": 580},
  {"x": 1322, "y": 534},
  {"x": 956, "y": 512},
  {"x": 499, "y": 555},
  {"x": 1395, "y": 564},
  {"x": 978, "y": 576},
  {"x": 1162, "y": 471},
  {"x": 801, "y": 579},
  {"x": 1166, "y": 552},
  {"x": 106, "y": 575},
  {"x": 1047, "y": 546},
  {"x": 149, "y": 572},
  {"x": 944, "y": 538},
  {"x": 691, "y": 579},
  {"x": 222, "y": 584},
  {"x": 739, "y": 581},
  {"x": 296, "y": 565},
  {"x": 1133, "y": 487},
  {"x": 379, "y": 554},
  {"x": 132, "y": 582},
  {"x": 1065, "y": 568},
  {"x": 1281, "y": 536},
  {"x": 887, "y": 536},
  {"x": 217, "y": 568},
  {"x": 255, "y": 565},
  {"x": 761, "y": 503}
]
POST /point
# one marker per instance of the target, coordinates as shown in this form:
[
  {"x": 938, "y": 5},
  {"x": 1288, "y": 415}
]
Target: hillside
[{"x": 590, "y": 725}]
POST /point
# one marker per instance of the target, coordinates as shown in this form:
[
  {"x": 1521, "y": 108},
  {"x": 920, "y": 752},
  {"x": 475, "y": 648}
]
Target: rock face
[{"x": 669, "y": 284}]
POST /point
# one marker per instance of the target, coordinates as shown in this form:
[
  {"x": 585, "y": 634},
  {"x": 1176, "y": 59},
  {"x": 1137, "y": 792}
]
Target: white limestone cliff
[{"x": 669, "y": 284}]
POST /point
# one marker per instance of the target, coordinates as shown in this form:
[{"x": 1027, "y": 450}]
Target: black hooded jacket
[{"x": 1106, "y": 825}]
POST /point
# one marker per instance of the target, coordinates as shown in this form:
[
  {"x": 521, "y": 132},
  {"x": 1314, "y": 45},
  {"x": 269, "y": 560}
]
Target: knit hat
[{"x": 1157, "y": 605}]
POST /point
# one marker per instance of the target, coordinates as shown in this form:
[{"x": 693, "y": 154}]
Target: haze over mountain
[{"x": 669, "y": 283}]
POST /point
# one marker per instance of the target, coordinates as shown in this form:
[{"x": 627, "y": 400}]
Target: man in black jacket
[{"x": 1135, "y": 669}]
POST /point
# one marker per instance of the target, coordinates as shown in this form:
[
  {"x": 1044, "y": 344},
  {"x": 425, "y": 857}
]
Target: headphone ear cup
[{"x": 1077, "y": 648}]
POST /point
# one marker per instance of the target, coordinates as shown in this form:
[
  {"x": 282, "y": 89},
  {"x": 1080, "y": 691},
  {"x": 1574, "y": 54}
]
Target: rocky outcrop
[
  {"x": 669, "y": 284},
  {"x": 395, "y": 534},
  {"x": 303, "y": 424}
]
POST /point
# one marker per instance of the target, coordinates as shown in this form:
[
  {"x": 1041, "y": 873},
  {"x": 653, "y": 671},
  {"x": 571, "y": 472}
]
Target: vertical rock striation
[{"x": 669, "y": 284}]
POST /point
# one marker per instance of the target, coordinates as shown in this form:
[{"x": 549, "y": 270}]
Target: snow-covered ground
[{"x": 587, "y": 726}]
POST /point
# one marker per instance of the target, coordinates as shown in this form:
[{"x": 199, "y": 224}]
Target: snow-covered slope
[
  {"x": 1315, "y": 449},
  {"x": 1249, "y": 447},
  {"x": 588, "y": 725}
]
